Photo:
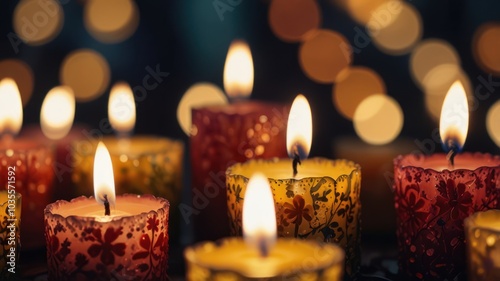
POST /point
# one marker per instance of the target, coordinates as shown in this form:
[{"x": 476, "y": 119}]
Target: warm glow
[
  {"x": 299, "y": 128},
  {"x": 104, "y": 182},
  {"x": 22, "y": 73},
  {"x": 121, "y": 108},
  {"x": 238, "y": 70},
  {"x": 58, "y": 112},
  {"x": 292, "y": 21},
  {"x": 492, "y": 121},
  {"x": 11, "y": 107},
  {"x": 378, "y": 119},
  {"x": 454, "y": 121},
  {"x": 259, "y": 216}
]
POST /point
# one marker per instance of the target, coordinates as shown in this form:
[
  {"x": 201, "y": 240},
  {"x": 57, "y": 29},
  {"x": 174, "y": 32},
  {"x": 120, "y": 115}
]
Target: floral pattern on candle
[
  {"x": 321, "y": 208},
  {"x": 134, "y": 247},
  {"x": 34, "y": 180},
  {"x": 431, "y": 207}
]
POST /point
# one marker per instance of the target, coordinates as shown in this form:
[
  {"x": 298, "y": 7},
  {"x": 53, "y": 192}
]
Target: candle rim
[
  {"x": 400, "y": 158},
  {"x": 233, "y": 107},
  {"x": 356, "y": 168},
  {"x": 48, "y": 211},
  {"x": 190, "y": 255},
  {"x": 27, "y": 145}
]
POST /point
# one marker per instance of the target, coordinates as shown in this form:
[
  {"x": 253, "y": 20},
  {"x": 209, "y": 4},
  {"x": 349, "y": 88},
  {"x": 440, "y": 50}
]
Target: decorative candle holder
[
  {"x": 431, "y": 204},
  {"x": 482, "y": 231},
  {"x": 322, "y": 203},
  {"x": 291, "y": 259},
  {"x": 222, "y": 136},
  {"x": 34, "y": 175},
  {"x": 10, "y": 237},
  {"x": 83, "y": 244}
]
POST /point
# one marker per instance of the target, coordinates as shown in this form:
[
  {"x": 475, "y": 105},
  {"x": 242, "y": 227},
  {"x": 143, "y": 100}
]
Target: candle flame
[
  {"x": 259, "y": 219},
  {"x": 11, "y": 107},
  {"x": 238, "y": 70},
  {"x": 58, "y": 112},
  {"x": 299, "y": 128},
  {"x": 121, "y": 108},
  {"x": 454, "y": 122},
  {"x": 104, "y": 183}
]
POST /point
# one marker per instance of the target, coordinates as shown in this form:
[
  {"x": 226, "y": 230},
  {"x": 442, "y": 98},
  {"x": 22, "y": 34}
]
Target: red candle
[
  {"x": 31, "y": 161},
  {"x": 434, "y": 194}
]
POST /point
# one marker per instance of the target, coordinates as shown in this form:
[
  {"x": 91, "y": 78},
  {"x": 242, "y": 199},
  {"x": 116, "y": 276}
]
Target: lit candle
[
  {"x": 31, "y": 162},
  {"x": 315, "y": 199},
  {"x": 434, "y": 194},
  {"x": 482, "y": 231},
  {"x": 260, "y": 255},
  {"x": 226, "y": 134},
  {"x": 107, "y": 237}
]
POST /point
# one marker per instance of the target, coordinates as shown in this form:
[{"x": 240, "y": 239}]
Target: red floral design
[
  {"x": 105, "y": 247},
  {"x": 455, "y": 198},
  {"x": 298, "y": 210},
  {"x": 411, "y": 209},
  {"x": 153, "y": 223}
]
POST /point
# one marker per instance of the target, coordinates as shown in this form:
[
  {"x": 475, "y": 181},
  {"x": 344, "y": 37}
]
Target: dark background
[{"x": 188, "y": 40}]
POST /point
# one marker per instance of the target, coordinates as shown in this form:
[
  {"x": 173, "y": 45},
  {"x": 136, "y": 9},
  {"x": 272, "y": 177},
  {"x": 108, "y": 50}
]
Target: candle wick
[
  {"x": 107, "y": 211},
  {"x": 263, "y": 249},
  {"x": 452, "y": 153},
  {"x": 296, "y": 160}
]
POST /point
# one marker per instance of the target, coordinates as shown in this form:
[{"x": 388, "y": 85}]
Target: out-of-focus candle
[
  {"x": 434, "y": 194},
  {"x": 83, "y": 243},
  {"x": 321, "y": 202},
  {"x": 31, "y": 161},
  {"x": 226, "y": 134},
  {"x": 260, "y": 256}
]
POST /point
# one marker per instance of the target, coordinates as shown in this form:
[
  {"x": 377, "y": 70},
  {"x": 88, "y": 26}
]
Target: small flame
[
  {"x": 11, "y": 107},
  {"x": 238, "y": 70},
  {"x": 454, "y": 121},
  {"x": 299, "y": 128},
  {"x": 58, "y": 112},
  {"x": 121, "y": 108},
  {"x": 104, "y": 183},
  {"x": 259, "y": 217}
]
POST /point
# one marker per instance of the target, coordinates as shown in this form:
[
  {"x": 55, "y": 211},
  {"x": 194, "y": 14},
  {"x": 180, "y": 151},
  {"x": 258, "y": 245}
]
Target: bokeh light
[
  {"x": 324, "y": 55},
  {"x": 486, "y": 46},
  {"x": 437, "y": 83},
  {"x": 429, "y": 54},
  {"x": 493, "y": 122},
  {"x": 378, "y": 119},
  {"x": 58, "y": 112},
  {"x": 291, "y": 21},
  {"x": 22, "y": 74},
  {"x": 362, "y": 10},
  {"x": 111, "y": 21},
  {"x": 200, "y": 94},
  {"x": 87, "y": 73},
  {"x": 355, "y": 84},
  {"x": 398, "y": 30},
  {"x": 38, "y": 22}
]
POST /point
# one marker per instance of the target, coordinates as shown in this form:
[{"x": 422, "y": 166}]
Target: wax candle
[
  {"x": 260, "y": 256},
  {"x": 10, "y": 218},
  {"x": 321, "y": 202},
  {"x": 482, "y": 232},
  {"x": 117, "y": 237},
  {"x": 31, "y": 161},
  {"x": 225, "y": 134},
  {"x": 434, "y": 194}
]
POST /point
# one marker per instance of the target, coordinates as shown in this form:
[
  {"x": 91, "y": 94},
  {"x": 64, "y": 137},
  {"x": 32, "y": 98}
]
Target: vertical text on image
[{"x": 11, "y": 210}]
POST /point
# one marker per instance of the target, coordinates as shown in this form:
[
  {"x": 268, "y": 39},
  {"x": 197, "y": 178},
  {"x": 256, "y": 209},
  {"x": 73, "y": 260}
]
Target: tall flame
[
  {"x": 121, "y": 108},
  {"x": 58, "y": 112},
  {"x": 238, "y": 70},
  {"x": 11, "y": 107},
  {"x": 104, "y": 182},
  {"x": 454, "y": 122},
  {"x": 299, "y": 128},
  {"x": 259, "y": 217}
]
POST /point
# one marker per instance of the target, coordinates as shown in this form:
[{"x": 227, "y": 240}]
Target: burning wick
[
  {"x": 296, "y": 160},
  {"x": 452, "y": 153},
  {"x": 264, "y": 251},
  {"x": 107, "y": 212}
]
